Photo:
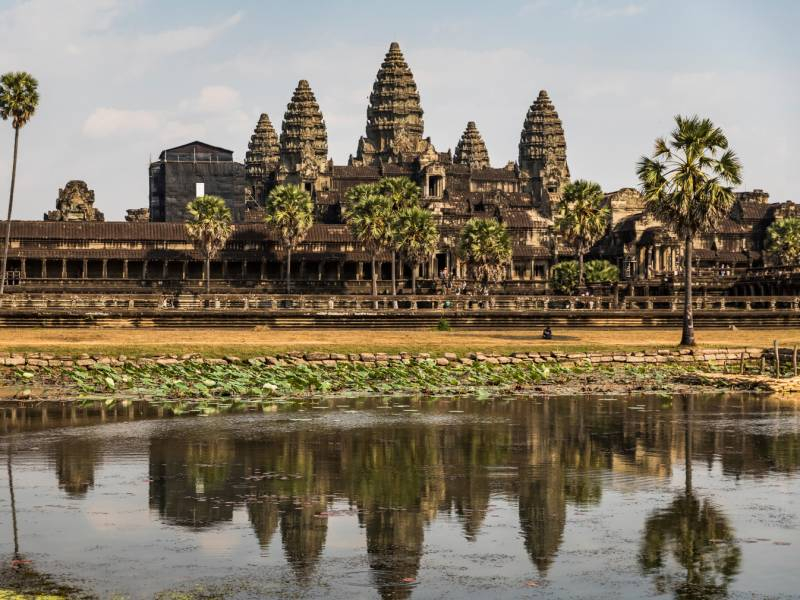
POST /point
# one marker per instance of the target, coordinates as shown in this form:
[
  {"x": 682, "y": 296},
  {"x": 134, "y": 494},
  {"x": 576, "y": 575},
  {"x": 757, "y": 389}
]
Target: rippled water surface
[{"x": 398, "y": 498}]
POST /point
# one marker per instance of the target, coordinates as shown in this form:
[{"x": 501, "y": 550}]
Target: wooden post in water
[{"x": 777, "y": 351}]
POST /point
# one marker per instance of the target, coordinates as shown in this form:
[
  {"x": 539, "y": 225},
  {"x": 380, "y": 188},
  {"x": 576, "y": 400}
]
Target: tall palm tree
[
  {"x": 290, "y": 211},
  {"x": 582, "y": 217},
  {"x": 402, "y": 193},
  {"x": 209, "y": 228},
  {"x": 369, "y": 215},
  {"x": 687, "y": 185},
  {"x": 416, "y": 238},
  {"x": 486, "y": 247},
  {"x": 19, "y": 97}
]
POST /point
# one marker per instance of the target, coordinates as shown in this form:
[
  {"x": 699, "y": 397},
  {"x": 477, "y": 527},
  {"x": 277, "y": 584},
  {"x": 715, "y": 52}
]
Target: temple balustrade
[{"x": 440, "y": 303}]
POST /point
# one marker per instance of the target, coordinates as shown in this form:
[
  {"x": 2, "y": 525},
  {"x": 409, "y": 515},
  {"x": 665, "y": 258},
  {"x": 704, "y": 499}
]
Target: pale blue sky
[{"x": 121, "y": 80}]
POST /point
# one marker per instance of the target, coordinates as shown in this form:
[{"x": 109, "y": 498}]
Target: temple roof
[
  {"x": 470, "y": 149},
  {"x": 303, "y": 134}
]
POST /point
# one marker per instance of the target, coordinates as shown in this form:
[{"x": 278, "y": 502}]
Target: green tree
[
  {"x": 601, "y": 271},
  {"x": 369, "y": 215},
  {"x": 486, "y": 247},
  {"x": 416, "y": 238},
  {"x": 687, "y": 185},
  {"x": 19, "y": 97},
  {"x": 402, "y": 193},
  {"x": 564, "y": 277},
  {"x": 290, "y": 211},
  {"x": 209, "y": 228},
  {"x": 783, "y": 240},
  {"x": 583, "y": 217}
]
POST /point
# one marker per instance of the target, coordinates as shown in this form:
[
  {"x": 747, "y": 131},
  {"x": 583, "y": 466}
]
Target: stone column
[
  {"x": 144, "y": 269},
  {"x": 44, "y": 268},
  {"x": 125, "y": 268},
  {"x": 338, "y": 270},
  {"x": 244, "y": 269},
  {"x": 23, "y": 272},
  {"x": 164, "y": 268},
  {"x": 85, "y": 272},
  {"x": 320, "y": 269},
  {"x": 105, "y": 268},
  {"x": 63, "y": 268},
  {"x": 184, "y": 269},
  {"x": 359, "y": 270},
  {"x": 224, "y": 269}
]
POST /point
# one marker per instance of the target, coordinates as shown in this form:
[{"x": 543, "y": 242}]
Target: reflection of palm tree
[
  {"x": 697, "y": 535},
  {"x": 13, "y": 504}
]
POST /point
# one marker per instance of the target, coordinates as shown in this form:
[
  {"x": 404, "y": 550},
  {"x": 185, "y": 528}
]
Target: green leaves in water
[{"x": 199, "y": 380}]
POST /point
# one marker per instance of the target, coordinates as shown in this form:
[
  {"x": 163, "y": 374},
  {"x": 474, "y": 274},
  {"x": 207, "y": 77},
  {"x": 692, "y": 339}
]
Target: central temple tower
[
  {"x": 543, "y": 153},
  {"x": 394, "y": 116}
]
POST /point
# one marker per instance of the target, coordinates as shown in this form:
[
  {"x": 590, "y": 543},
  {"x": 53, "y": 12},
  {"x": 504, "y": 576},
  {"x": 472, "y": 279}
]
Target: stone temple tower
[
  {"x": 543, "y": 153},
  {"x": 394, "y": 115},
  {"x": 262, "y": 157},
  {"x": 471, "y": 150},
  {"x": 304, "y": 140}
]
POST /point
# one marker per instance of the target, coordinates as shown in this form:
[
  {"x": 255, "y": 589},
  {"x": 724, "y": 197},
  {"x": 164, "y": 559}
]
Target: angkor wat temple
[{"x": 151, "y": 248}]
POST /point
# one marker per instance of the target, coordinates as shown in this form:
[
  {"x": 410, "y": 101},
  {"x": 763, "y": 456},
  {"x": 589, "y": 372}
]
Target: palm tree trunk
[
  {"x": 10, "y": 206},
  {"x": 289, "y": 270},
  {"x": 687, "y": 339},
  {"x": 374, "y": 278},
  {"x": 414, "y": 267},
  {"x": 394, "y": 273},
  {"x": 207, "y": 274},
  {"x": 580, "y": 265}
]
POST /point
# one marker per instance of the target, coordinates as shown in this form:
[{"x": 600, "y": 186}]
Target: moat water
[{"x": 397, "y": 498}]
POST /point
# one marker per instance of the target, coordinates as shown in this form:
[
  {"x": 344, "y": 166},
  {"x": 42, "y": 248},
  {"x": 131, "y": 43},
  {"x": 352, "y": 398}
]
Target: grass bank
[{"x": 247, "y": 343}]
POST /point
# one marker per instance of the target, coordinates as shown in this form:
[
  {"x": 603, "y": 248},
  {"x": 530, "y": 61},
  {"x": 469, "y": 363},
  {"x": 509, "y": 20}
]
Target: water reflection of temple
[{"x": 400, "y": 477}]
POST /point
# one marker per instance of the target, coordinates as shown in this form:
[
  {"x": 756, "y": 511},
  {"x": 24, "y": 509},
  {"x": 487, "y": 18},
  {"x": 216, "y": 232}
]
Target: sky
[{"x": 120, "y": 80}]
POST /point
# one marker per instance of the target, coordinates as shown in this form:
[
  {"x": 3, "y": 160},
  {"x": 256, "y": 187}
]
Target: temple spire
[
  {"x": 471, "y": 150},
  {"x": 543, "y": 151},
  {"x": 304, "y": 139},
  {"x": 394, "y": 114},
  {"x": 263, "y": 151}
]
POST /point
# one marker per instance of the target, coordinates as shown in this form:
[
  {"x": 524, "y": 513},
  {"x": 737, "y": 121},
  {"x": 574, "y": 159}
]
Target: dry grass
[{"x": 252, "y": 342}]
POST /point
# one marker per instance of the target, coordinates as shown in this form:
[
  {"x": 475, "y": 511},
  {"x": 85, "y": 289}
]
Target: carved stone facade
[{"x": 75, "y": 203}]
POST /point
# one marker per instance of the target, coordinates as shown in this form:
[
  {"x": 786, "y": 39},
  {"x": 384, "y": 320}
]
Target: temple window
[{"x": 435, "y": 185}]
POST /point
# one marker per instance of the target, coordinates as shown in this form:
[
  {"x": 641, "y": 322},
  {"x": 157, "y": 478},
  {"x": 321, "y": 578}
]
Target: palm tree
[
  {"x": 687, "y": 185},
  {"x": 290, "y": 211},
  {"x": 583, "y": 217},
  {"x": 369, "y": 215},
  {"x": 209, "y": 229},
  {"x": 783, "y": 240},
  {"x": 19, "y": 98},
  {"x": 416, "y": 238},
  {"x": 402, "y": 193},
  {"x": 486, "y": 247}
]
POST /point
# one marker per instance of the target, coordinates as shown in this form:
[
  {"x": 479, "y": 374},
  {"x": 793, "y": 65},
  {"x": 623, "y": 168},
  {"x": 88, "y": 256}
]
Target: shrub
[
  {"x": 443, "y": 325},
  {"x": 564, "y": 277},
  {"x": 601, "y": 271}
]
